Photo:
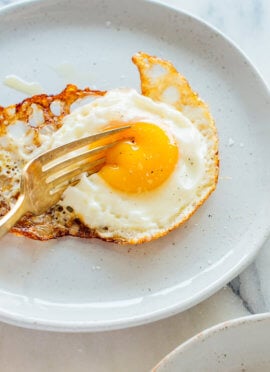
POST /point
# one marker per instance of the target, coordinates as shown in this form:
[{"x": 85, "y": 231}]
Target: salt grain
[
  {"x": 231, "y": 142},
  {"x": 96, "y": 267}
]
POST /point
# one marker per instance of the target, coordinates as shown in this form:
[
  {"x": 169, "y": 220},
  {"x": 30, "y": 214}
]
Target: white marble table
[{"x": 247, "y": 22}]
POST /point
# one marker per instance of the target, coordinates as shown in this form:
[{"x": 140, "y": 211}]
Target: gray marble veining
[{"x": 253, "y": 285}]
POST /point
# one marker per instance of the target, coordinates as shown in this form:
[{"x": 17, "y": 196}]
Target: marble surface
[{"x": 247, "y": 22}]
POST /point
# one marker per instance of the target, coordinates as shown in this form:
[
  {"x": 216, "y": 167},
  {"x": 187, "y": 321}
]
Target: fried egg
[
  {"x": 161, "y": 171},
  {"x": 147, "y": 183}
]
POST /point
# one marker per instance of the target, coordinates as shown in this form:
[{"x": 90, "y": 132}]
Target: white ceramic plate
[
  {"x": 239, "y": 345},
  {"x": 76, "y": 285}
]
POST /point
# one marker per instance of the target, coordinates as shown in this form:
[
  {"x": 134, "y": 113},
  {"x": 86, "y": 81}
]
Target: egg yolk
[{"x": 142, "y": 161}]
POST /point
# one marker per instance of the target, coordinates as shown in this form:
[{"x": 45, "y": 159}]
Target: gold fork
[{"x": 45, "y": 178}]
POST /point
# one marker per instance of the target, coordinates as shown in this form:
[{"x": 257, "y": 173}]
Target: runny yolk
[{"x": 142, "y": 161}]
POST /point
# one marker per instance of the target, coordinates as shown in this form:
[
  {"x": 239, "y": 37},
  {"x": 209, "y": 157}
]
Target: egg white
[{"x": 126, "y": 216}]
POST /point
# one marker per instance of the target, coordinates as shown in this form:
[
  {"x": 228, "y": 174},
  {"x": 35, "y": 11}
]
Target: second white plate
[{"x": 239, "y": 345}]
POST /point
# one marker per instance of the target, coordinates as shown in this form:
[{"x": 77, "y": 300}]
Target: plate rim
[
  {"x": 126, "y": 322},
  {"x": 209, "y": 332}
]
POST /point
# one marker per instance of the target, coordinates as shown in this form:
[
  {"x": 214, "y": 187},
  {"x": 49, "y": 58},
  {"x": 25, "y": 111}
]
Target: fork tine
[
  {"x": 63, "y": 180},
  {"x": 75, "y": 145},
  {"x": 53, "y": 169}
]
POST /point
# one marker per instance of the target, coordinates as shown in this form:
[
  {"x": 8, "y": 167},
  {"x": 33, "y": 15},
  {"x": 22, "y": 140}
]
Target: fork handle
[{"x": 9, "y": 220}]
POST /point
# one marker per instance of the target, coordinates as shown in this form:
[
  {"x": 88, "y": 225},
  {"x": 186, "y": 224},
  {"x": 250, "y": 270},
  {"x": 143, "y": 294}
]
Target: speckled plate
[
  {"x": 239, "y": 345},
  {"x": 81, "y": 285}
]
